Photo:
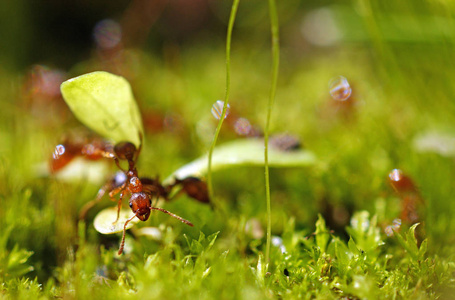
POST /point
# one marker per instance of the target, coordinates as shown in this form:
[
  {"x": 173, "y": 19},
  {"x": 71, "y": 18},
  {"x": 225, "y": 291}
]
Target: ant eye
[{"x": 131, "y": 204}]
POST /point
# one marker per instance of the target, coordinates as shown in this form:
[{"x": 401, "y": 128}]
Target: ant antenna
[
  {"x": 117, "y": 162},
  {"x": 173, "y": 215},
  {"x": 122, "y": 244},
  {"x": 138, "y": 149}
]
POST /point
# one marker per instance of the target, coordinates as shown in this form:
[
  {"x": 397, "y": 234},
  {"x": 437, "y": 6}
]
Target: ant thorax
[{"x": 135, "y": 185}]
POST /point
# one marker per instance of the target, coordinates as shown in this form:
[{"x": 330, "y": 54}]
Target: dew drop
[
  {"x": 388, "y": 231},
  {"x": 107, "y": 34},
  {"x": 278, "y": 242},
  {"x": 242, "y": 126},
  {"x": 217, "y": 109},
  {"x": 396, "y": 175},
  {"x": 340, "y": 89},
  {"x": 396, "y": 224},
  {"x": 59, "y": 150}
]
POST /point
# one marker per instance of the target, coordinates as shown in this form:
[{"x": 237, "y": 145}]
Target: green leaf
[
  {"x": 104, "y": 102},
  {"x": 342, "y": 255},
  {"x": 322, "y": 234},
  {"x": 410, "y": 244},
  {"x": 104, "y": 220},
  {"x": 365, "y": 232},
  {"x": 17, "y": 259},
  {"x": 352, "y": 246},
  {"x": 244, "y": 152},
  {"x": 211, "y": 239},
  {"x": 411, "y": 239},
  {"x": 260, "y": 270},
  {"x": 423, "y": 249}
]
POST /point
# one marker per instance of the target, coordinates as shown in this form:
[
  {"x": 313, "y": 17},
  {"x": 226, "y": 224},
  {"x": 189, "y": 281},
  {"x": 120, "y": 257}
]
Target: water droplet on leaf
[
  {"x": 340, "y": 89},
  {"x": 217, "y": 109},
  {"x": 396, "y": 224},
  {"x": 59, "y": 150},
  {"x": 396, "y": 175},
  {"x": 388, "y": 231}
]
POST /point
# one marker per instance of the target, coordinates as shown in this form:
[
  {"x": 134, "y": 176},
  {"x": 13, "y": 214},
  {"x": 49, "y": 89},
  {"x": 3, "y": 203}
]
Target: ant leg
[
  {"x": 108, "y": 154},
  {"x": 139, "y": 149},
  {"x": 122, "y": 244},
  {"x": 90, "y": 151},
  {"x": 114, "y": 192},
  {"x": 173, "y": 215},
  {"x": 105, "y": 188},
  {"x": 119, "y": 206}
]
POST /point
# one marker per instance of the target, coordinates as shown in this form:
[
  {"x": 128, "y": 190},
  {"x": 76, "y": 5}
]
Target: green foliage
[
  {"x": 395, "y": 68},
  {"x": 247, "y": 152},
  {"x": 202, "y": 244},
  {"x": 105, "y": 103},
  {"x": 13, "y": 263},
  {"x": 365, "y": 232}
]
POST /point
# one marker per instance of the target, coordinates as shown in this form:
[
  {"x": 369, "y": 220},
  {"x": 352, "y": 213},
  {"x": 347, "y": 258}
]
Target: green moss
[{"x": 328, "y": 219}]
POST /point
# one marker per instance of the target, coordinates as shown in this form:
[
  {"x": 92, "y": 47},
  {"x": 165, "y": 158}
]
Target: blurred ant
[
  {"x": 411, "y": 201},
  {"x": 92, "y": 149},
  {"x": 141, "y": 198},
  {"x": 143, "y": 190},
  {"x": 412, "y": 204}
]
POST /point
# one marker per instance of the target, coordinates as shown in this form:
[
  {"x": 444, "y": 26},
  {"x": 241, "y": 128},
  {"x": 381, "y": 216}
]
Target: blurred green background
[{"x": 397, "y": 56}]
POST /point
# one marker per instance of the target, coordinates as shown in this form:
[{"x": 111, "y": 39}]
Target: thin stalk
[
  {"x": 234, "y": 7},
  {"x": 275, "y": 66}
]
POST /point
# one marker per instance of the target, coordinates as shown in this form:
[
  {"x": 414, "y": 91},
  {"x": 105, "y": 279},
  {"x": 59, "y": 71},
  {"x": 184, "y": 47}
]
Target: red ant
[
  {"x": 64, "y": 153},
  {"x": 411, "y": 201},
  {"x": 140, "y": 200},
  {"x": 143, "y": 190}
]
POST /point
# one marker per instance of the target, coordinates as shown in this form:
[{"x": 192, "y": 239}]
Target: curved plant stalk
[
  {"x": 275, "y": 66},
  {"x": 234, "y": 7}
]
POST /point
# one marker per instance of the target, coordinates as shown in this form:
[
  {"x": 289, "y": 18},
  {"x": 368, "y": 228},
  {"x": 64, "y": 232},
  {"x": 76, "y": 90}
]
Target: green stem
[
  {"x": 234, "y": 7},
  {"x": 275, "y": 65}
]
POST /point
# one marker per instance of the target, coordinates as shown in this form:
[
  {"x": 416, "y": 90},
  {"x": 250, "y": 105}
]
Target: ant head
[
  {"x": 140, "y": 204},
  {"x": 125, "y": 150}
]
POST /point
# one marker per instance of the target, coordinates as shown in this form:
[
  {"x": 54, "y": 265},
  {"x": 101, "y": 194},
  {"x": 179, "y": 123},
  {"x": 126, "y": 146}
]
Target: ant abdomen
[
  {"x": 195, "y": 188},
  {"x": 63, "y": 154}
]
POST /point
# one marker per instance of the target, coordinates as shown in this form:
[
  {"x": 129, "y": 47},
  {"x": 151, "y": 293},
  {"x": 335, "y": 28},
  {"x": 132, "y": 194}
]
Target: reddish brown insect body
[
  {"x": 94, "y": 149},
  {"x": 194, "y": 187},
  {"x": 411, "y": 201},
  {"x": 142, "y": 190}
]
